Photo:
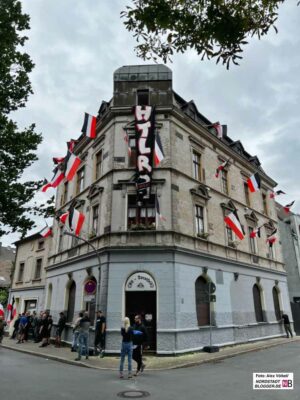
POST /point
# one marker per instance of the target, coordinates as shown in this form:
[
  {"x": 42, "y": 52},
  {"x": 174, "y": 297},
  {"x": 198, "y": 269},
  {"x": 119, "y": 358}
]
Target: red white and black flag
[
  {"x": 288, "y": 207},
  {"x": 254, "y": 182},
  {"x": 158, "y": 151},
  {"x": 58, "y": 160},
  {"x": 72, "y": 163},
  {"x": 71, "y": 144},
  {"x": 277, "y": 193},
  {"x": 255, "y": 233},
  {"x": 89, "y": 126},
  {"x": 73, "y": 220},
  {"x": 232, "y": 220},
  {"x": 11, "y": 308},
  {"x": 221, "y": 130},
  {"x": 58, "y": 177},
  {"x": 221, "y": 167},
  {"x": 271, "y": 239},
  {"x": 46, "y": 185},
  {"x": 157, "y": 208},
  {"x": 45, "y": 232}
]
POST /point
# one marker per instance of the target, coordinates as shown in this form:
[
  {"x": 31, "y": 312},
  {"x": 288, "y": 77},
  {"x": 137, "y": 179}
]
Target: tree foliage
[
  {"x": 213, "y": 28},
  {"x": 17, "y": 146}
]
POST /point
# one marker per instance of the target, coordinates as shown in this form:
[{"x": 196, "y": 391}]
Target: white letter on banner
[
  {"x": 142, "y": 146},
  {"x": 144, "y": 128},
  {"x": 143, "y": 115},
  {"x": 143, "y": 163}
]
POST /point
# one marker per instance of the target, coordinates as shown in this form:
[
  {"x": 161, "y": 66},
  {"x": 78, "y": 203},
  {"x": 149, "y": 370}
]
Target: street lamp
[{"x": 99, "y": 262}]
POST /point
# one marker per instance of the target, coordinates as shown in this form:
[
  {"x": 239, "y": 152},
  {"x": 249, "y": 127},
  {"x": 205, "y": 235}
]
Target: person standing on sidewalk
[
  {"x": 2, "y": 326},
  {"x": 76, "y": 333},
  {"x": 139, "y": 339},
  {"x": 60, "y": 327},
  {"x": 100, "y": 328},
  {"x": 83, "y": 338},
  {"x": 126, "y": 349},
  {"x": 287, "y": 325},
  {"x": 22, "y": 326}
]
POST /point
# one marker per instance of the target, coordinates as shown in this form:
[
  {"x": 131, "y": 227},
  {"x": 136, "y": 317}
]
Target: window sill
[
  {"x": 36, "y": 280},
  {"x": 18, "y": 282},
  {"x": 39, "y": 250}
]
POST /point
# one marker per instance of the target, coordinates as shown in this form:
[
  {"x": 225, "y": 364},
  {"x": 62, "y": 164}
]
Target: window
[
  {"x": 64, "y": 197},
  {"x": 41, "y": 244},
  {"x": 196, "y": 166},
  {"x": 276, "y": 303},
  {"x": 95, "y": 220},
  {"x": 80, "y": 181},
  {"x": 230, "y": 237},
  {"x": 133, "y": 153},
  {"x": 71, "y": 301},
  {"x": 264, "y": 200},
  {"x": 98, "y": 164},
  {"x": 257, "y": 304},
  {"x": 38, "y": 268},
  {"x": 142, "y": 97},
  {"x": 253, "y": 243},
  {"x": 246, "y": 191},
  {"x": 21, "y": 272},
  {"x": 202, "y": 302},
  {"x": 199, "y": 219},
  {"x": 141, "y": 217},
  {"x": 61, "y": 238},
  {"x": 224, "y": 180}
]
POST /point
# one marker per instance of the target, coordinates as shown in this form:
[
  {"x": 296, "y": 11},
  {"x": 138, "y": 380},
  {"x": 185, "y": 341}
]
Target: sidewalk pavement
[{"x": 63, "y": 354}]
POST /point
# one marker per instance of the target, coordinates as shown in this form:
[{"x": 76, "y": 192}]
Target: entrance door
[{"x": 144, "y": 304}]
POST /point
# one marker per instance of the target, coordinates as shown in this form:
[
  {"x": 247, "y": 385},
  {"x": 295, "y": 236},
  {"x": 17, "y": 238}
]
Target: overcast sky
[{"x": 76, "y": 46}]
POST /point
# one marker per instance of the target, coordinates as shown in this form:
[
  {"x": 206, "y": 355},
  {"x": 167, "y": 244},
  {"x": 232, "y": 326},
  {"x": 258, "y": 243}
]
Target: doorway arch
[{"x": 141, "y": 299}]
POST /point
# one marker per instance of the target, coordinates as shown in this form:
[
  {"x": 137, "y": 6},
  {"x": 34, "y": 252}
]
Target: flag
[
  {"x": 1, "y": 310},
  {"x": 89, "y": 126},
  {"x": 47, "y": 231},
  {"x": 11, "y": 310},
  {"x": 73, "y": 220},
  {"x": 221, "y": 167},
  {"x": 271, "y": 239},
  {"x": 277, "y": 193},
  {"x": 232, "y": 220},
  {"x": 161, "y": 217},
  {"x": 58, "y": 177},
  {"x": 127, "y": 139},
  {"x": 288, "y": 206},
  {"x": 255, "y": 233},
  {"x": 221, "y": 130},
  {"x": 72, "y": 163},
  {"x": 71, "y": 144},
  {"x": 64, "y": 217},
  {"x": 46, "y": 185},
  {"x": 254, "y": 182},
  {"x": 58, "y": 160},
  {"x": 158, "y": 151}
]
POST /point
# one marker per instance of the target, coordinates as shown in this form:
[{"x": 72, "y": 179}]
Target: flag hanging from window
[
  {"x": 232, "y": 220},
  {"x": 46, "y": 185},
  {"x": 71, "y": 144},
  {"x": 288, "y": 207},
  {"x": 157, "y": 207},
  {"x": 255, "y": 233},
  {"x": 58, "y": 177},
  {"x": 158, "y": 151},
  {"x": 254, "y": 182},
  {"x": 73, "y": 220},
  {"x": 221, "y": 167},
  {"x": 58, "y": 160},
  {"x": 45, "y": 232},
  {"x": 271, "y": 239},
  {"x": 72, "y": 163},
  {"x": 277, "y": 193},
  {"x": 89, "y": 126}
]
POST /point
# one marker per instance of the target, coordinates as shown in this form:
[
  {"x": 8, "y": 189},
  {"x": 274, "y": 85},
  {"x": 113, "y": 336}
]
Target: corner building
[{"x": 162, "y": 269}]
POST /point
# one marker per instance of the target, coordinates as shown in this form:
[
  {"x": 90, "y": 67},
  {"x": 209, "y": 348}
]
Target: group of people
[{"x": 39, "y": 327}]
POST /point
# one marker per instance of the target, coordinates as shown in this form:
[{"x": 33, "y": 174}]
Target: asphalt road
[{"x": 25, "y": 377}]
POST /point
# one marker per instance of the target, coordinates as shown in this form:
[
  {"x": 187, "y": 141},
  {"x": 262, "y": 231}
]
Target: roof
[{"x": 153, "y": 72}]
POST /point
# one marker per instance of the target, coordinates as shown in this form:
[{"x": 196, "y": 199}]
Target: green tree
[
  {"x": 17, "y": 146},
  {"x": 3, "y": 296},
  {"x": 213, "y": 28}
]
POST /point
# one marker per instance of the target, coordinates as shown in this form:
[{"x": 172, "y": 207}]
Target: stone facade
[{"x": 175, "y": 255}]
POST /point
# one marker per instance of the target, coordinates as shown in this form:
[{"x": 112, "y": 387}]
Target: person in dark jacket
[
  {"x": 126, "y": 349},
  {"x": 287, "y": 325},
  {"x": 100, "y": 328},
  {"x": 60, "y": 327},
  {"x": 139, "y": 339},
  {"x": 16, "y": 327}
]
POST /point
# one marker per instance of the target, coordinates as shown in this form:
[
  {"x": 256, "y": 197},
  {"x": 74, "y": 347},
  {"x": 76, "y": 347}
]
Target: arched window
[
  {"x": 202, "y": 302},
  {"x": 49, "y": 297},
  {"x": 257, "y": 304},
  {"x": 71, "y": 301},
  {"x": 276, "y": 303}
]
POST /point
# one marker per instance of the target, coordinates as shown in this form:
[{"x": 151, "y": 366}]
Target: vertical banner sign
[{"x": 145, "y": 134}]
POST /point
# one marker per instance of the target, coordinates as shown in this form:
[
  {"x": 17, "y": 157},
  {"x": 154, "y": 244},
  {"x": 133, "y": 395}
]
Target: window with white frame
[
  {"x": 199, "y": 219},
  {"x": 38, "y": 268},
  {"x": 141, "y": 217},
  {"x": 253, "y": 241},
  {"x": 95, "y": 220},
  {"x": 197, "y": 165}
]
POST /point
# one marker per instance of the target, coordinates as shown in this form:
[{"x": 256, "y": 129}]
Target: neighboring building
[
  {"x": 7, "y": 256},
  {"x": 28, "y": 281},
  {"x": 289, "y": 228},
  {"x": 162, "y": 269}
]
